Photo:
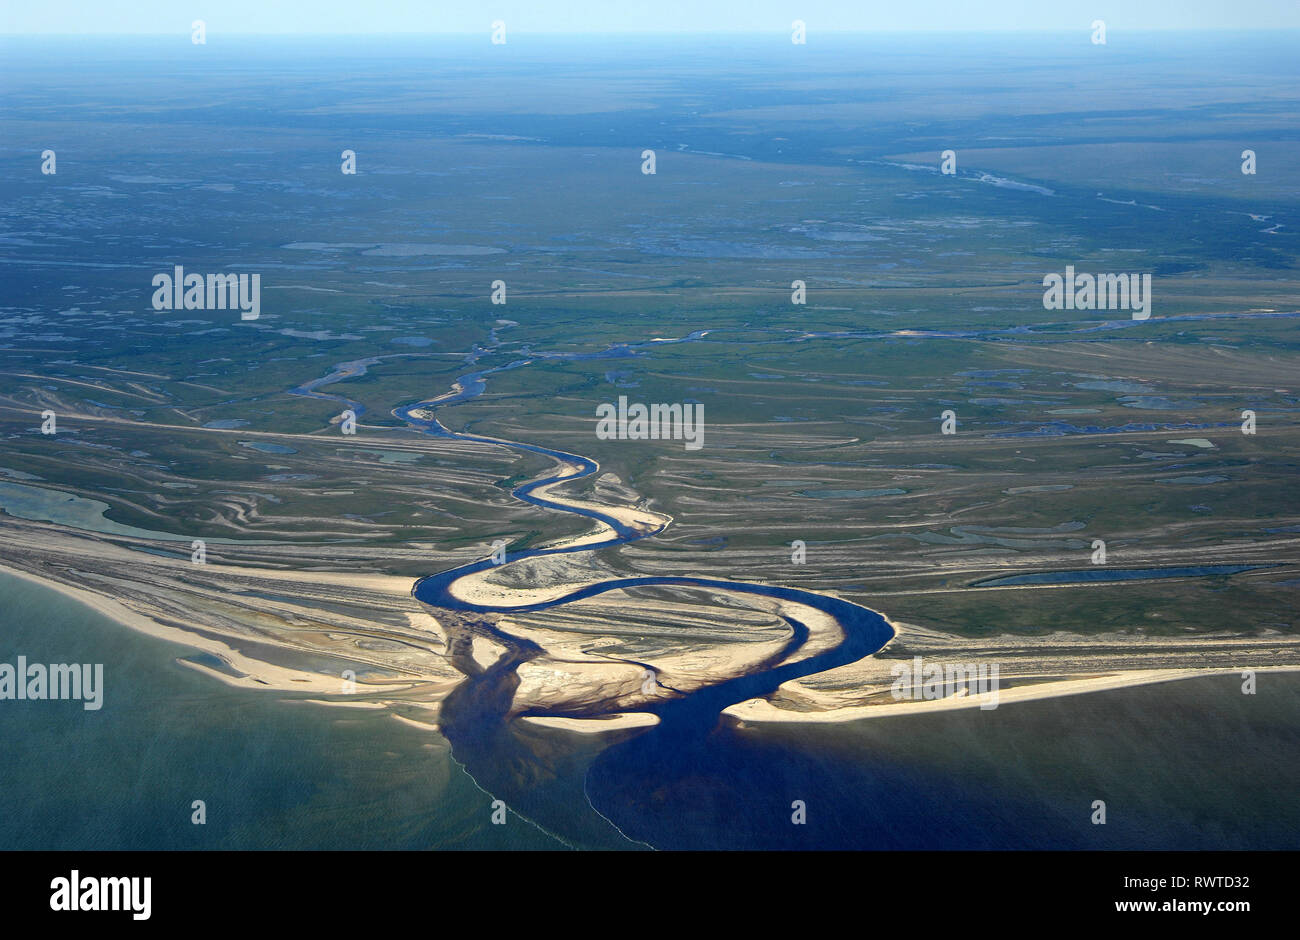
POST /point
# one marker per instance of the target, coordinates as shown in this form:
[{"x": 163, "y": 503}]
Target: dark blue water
[{"x": 1193, "y": 764}]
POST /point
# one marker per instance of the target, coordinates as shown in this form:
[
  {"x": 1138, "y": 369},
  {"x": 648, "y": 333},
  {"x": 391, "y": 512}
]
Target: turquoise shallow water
[{"x": 274, "y": 774}]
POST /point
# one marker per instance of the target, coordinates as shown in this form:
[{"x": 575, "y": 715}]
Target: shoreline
[
  {"x": 258, "y": 674},
  {"x": 751, "y": 713},
  {"x": 617, "y": 721},
  {"x": 755, "y": 712}
]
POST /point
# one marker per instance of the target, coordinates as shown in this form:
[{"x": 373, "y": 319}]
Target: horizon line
[{"x": 1058, "y": 31}]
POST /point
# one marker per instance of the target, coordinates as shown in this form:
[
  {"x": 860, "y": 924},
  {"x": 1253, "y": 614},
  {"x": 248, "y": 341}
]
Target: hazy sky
[{"x": 597, "y": 16}]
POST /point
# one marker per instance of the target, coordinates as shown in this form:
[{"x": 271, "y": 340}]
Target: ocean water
[
  {"x": 1180, "y": 765},
  {"x": 274, "y": 772}
]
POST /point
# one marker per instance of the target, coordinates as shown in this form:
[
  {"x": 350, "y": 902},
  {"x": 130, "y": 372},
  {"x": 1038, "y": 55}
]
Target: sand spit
[
  {"x": 617, "y": 722},
  {"x": 271, "y": 629},
  {"x": 1030, "y": 668},
  {"x": 760, "y": 711},
  {"x": 257, "y": 674}
]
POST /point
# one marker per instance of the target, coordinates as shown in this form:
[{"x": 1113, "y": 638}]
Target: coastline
[
  {"x": 258, "y": 674},
  {"x": 264, "y": 676},
  {"x": 761, "y": 711}
]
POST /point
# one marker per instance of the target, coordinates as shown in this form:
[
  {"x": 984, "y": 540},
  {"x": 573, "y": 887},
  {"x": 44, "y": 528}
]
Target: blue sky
[{"x": 605, "y": 16}]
